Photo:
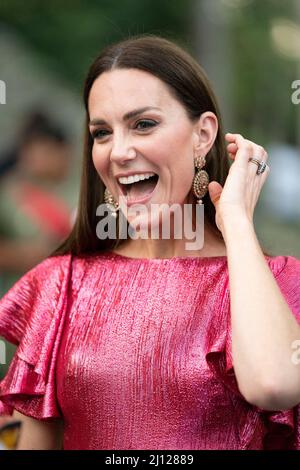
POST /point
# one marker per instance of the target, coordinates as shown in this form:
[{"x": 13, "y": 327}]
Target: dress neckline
[{"x": 174, "y": 258}]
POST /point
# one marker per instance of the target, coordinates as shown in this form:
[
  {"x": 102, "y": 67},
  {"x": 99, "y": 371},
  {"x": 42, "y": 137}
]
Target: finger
[
  {"x": 239, "y": 140},
  {"x": 232, "y": 148},
  {"x": 244, "y": 150},
  {"x": 254, "y": 168},
  {"x": 232, "y": 137},
  {"x": 259, "y": 154},
  {"x": 215, "y": 191},
  {"x": 258, "y": 149},
  {"x": 232, "y": 155}
]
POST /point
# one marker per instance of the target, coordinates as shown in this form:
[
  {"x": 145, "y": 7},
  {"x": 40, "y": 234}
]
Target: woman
[
  {"x": 141, "y": 343},
  {"x": 35, "y": 215}
]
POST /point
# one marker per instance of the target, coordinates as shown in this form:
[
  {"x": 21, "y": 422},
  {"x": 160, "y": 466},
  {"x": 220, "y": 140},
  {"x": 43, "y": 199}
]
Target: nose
[{"x": 122, "y": 150}]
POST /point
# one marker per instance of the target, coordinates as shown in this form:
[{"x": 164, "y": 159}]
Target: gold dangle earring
[
  {"x": 201, "y": 179},
  {"x": 110, "y": 202}
]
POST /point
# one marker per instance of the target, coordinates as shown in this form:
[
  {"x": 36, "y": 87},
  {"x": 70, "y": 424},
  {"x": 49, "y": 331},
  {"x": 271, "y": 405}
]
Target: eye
[
  {"x": 142, "y": 125},
  {"x": 99, "y": 133},
  {"x": 145, "y": 124}
]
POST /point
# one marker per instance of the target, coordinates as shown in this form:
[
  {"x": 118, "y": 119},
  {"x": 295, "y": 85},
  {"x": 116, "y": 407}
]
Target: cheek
[
  {"x": 182, "y": 181},
  {"x": 177, "y": 154},
  {"x": 177, "y": 147},
  {"x": 99, "y": 160},
  {"x": 182, "y": 173}
]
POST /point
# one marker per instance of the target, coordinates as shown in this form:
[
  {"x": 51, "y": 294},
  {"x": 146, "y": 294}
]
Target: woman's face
[
  {"x": 45, "y": 159},
  {"x": 139, "y": 128}
]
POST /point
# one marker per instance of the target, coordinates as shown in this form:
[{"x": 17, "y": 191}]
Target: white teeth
[{"x": 134, "y": 178}]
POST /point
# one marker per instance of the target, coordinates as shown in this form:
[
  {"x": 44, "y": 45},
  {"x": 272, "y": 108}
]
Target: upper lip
[{"x": 131, "y": 173}]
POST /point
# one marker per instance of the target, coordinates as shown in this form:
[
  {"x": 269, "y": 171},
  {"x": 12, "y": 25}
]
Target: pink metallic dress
[{"x": 136, "y": 354}]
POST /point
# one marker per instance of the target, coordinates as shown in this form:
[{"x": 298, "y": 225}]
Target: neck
[{"x": 152, "y": 248}]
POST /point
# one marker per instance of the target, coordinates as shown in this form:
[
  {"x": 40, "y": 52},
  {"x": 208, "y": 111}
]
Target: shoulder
[
  {"x": 284, "y": 266},
  {"x": 53, "y": 268},
  {"x": 44, "y": 276},
  {"x": 32, "y": 316},
  {"x": 34, "y": 297},
  {"x": 286, "y": 271}
]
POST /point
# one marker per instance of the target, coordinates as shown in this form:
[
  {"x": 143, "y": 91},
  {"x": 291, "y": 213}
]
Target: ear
[{"x": 205, "y": 132}]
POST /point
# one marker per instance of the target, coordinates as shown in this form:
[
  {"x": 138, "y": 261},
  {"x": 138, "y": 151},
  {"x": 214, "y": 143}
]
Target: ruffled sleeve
[
  {"x": 32, "y": 316},
  {"x": 277, "y": 430}
]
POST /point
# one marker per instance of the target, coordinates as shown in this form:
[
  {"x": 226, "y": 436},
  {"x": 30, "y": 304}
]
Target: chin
[{"x": 145, "y": 224}]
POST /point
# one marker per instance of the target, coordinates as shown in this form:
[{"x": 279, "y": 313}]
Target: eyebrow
[{"x": 126, "y": 117}]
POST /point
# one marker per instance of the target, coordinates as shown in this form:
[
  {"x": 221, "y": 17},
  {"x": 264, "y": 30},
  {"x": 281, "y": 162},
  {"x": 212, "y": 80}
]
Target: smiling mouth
[{"x": 140, "y": 189}]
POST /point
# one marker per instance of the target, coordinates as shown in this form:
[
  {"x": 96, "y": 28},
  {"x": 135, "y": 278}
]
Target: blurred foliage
[
  {"x": 67, "y": 35},
  {"x": 262, "y": 77}
]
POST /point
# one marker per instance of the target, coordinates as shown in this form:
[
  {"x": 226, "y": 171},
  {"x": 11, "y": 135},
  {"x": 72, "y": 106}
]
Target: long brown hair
[{"x": 189, "y": 84}]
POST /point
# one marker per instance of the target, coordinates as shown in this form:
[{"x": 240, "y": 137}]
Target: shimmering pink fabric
[{"x": 136, "y": 354}]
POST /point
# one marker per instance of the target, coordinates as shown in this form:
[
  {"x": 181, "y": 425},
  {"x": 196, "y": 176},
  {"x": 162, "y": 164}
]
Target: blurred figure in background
[{"x": 34, "y": 215}]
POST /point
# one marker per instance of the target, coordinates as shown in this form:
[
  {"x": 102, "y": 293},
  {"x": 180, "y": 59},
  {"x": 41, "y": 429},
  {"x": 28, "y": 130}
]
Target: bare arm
[
  {"x": 39, "y": 435},
  {"x": 263, "y": 327}
]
